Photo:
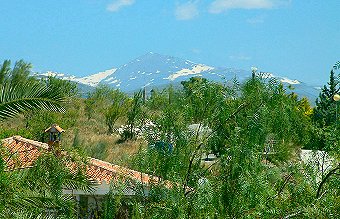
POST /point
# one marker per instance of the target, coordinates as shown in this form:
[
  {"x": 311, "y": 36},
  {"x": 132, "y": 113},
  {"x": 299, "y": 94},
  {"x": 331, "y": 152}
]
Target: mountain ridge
[{"x": 156, "y": 70}]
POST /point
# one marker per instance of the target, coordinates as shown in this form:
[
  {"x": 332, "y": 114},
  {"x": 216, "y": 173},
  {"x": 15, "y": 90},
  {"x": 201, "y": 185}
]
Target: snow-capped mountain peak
[
  {"x": 156, "y": 70},
  {"x": 153, "y": 69},
  {"x": 93, "y": 80}
]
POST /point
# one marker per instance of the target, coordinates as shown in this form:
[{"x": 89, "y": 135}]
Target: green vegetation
[
  {"x": 21, "y": 93},
  {"x": 35, "y": 192},
  {"x": 256, "y": 131}
]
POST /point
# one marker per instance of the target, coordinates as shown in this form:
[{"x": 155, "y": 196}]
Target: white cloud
[
  {"x": 186, "y": 11},
  {"x": 118, "y": 4},
  {"x": 219, "y": 6}
]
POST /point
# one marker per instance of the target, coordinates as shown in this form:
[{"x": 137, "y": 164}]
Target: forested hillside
[{"x": 254, "y": 131}]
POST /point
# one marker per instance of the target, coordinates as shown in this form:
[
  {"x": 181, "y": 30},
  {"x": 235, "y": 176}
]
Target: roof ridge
[
  {"x": 113, "y": 169},
  {"x": 138, "y": 175},
  {"x": 32, "y": 142},
  {"x": 108, "y": 163}
]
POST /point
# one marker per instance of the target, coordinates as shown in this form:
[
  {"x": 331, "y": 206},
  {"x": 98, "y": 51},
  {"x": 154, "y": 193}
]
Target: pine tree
[{"x": 325, "y": 110}]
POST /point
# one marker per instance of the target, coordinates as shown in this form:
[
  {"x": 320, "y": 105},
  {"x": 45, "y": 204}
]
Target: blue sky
[{"x": 299, "y": 39}]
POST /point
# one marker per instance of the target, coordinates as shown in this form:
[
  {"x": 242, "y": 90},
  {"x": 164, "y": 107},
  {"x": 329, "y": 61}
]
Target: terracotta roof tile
[
  {"x": 22, "y": 152},
  {"x": 100, "y": 170}
]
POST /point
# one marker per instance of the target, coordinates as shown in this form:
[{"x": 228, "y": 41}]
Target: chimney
[{"x": 54, "y": 138}]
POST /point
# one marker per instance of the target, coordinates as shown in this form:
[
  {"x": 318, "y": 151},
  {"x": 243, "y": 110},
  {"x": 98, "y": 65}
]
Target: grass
[{"x": 89, "y": 135}]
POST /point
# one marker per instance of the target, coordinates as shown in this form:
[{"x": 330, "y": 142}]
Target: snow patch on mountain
[
  {"x": 289, "y": 81},
  {"x": 154, "y": 70},
  {"x": 52, "y": 74},
  {"x": 93, "y": 80},
  {"x": 114, "y": 81},
  {"x": 196, "y": 69},
  {"x": 109, "y": 79}
]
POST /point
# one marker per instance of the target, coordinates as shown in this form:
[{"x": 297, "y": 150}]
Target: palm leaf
[{"x": 29, "y": 96}]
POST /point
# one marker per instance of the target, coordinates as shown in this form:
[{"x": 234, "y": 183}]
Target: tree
[
  {"x": 68, "y": 88},
  {"x": 116, "y": 110},
  {"x": 203, "y": 98},
  {"x": 5, "y": 69},
  {"x": 35, "y": 192},
  {"x": 325, "y": 115},
  {"x": 99, "y": 100},
  {"x": 19, "y": 93},
  {"x": 134, "y": 115},
  {"x": 29, "y": 96},
  {"x": 106, "y": 105},
  {"x": 324, "y": 112},
  {"x": 244, "y": 181},
  {"x": 19, "y": 74},
  {"x": 38, "y": 120}
]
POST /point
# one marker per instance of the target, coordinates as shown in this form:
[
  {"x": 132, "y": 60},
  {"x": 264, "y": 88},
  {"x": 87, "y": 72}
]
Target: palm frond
[{"x": 29, "y": 96}]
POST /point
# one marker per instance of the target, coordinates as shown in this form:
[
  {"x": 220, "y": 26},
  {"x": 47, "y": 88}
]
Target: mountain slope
[
  {"x": 155, "y": 70},
  {"x": 91, "y": 80}
]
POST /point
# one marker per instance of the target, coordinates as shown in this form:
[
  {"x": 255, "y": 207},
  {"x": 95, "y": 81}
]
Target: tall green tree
[
  {"x": 255, "y": 133},
  {"x": 325, "y": 116},
  {"x": 204, "y": 99},
  {"x": 134, "y": 115},
  {"x": 325, "y": 110},
  {"x": 116, "y": 110},
  {"x": 19, "y": 74},
  {"x": 99, "y": 100}
]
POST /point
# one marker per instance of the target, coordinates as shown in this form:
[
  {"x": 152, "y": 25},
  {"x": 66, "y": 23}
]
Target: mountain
[
  {"x": 155, "y": 70},
  {"x": 85, "y": 84},
  {"x": 91, "y": 80}
]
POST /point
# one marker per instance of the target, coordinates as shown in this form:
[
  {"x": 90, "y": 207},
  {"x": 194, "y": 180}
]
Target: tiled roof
[
  {"x": 22, "y": 152},
  {"x": 104, "y": 171}
]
